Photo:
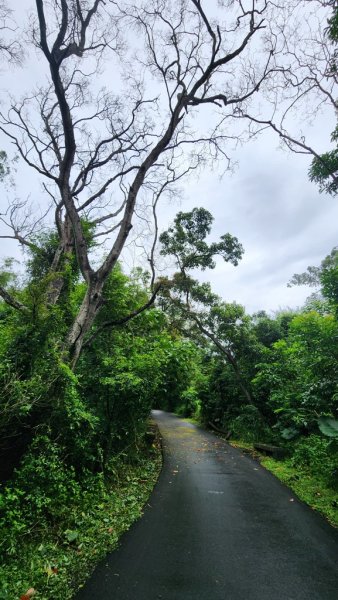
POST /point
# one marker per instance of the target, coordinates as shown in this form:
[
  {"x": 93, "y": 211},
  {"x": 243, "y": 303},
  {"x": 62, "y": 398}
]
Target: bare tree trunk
[
  {"x": 90, "y": 306},
  {"x": 62, "y": 257}
]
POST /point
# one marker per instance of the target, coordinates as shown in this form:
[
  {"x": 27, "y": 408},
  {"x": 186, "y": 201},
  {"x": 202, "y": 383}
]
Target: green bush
[
  {"x": 38, "y": 493},
  {"x": 316, "y": 454},
  {"x": 249, "y": 425},
  {"x": 191, "y": 404}
]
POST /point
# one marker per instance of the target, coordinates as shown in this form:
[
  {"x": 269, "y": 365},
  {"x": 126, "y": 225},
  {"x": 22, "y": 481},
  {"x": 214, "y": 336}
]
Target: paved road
[{"x": 219, "y": 527}]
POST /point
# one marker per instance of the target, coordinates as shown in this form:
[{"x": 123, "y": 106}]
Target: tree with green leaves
[
  {"x": 324, "y": 278},
  {"x": 105, "y": 157},
  {"x": 100, "y": 154},
  {"x": 324, "y": 167},
  {"x": 193, "y": 305}
]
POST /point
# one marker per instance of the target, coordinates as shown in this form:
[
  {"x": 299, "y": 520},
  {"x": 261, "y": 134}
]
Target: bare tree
[
  {"x": 306, "y": 86},
  {"x": 101, "y": 153},
  {"x": 10, "y": 47}
]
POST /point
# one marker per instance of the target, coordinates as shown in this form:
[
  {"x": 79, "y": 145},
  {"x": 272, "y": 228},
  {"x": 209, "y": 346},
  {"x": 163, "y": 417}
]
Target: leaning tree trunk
[
  {"x": 63, "y": 256},
  {"x": 90, "y": 306},
  {"x": 228, "y": 356}
]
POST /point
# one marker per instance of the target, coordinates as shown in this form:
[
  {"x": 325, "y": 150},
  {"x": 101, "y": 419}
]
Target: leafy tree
[
  {"x": 312, "y": 275},
  {"x": 324, "y": 167},
  {"x": 193, "y": 304},
  {"x": 111, "y": 146},
  {"x": 267, "y": 330},
  {"x": 299, "y": 378},
  {"x": 99, "y": 154},
  {"x": 325, "y": 277}
]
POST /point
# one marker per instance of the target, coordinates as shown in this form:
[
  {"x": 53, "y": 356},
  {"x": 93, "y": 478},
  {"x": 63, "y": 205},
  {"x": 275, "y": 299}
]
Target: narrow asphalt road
[{"x": 218, "y": 527}]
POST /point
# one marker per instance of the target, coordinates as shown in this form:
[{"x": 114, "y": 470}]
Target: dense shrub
[
  {"x": 318, "y": 456},
  {"x": 249, "y": 425},
  {"x": 38, "y": 493}
]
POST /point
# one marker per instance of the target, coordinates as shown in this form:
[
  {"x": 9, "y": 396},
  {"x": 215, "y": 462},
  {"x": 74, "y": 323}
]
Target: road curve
[{"x": 218, "y": 527}]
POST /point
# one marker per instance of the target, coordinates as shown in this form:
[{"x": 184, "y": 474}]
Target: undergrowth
[{"x": 54, "y": 561}]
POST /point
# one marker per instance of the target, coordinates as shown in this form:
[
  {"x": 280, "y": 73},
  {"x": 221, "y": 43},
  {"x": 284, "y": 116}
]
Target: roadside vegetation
[
  {"x": 78, "y": 457},
  {"x": 52, "y": 551},
  {"x": 87, "y": 350},
  {"x": 76, "y": 467}
]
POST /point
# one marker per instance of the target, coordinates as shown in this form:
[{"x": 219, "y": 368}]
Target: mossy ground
[{"x": 57, "y": 564}]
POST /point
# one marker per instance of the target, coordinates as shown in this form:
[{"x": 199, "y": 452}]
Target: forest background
[{"x": 87, "y": 350}]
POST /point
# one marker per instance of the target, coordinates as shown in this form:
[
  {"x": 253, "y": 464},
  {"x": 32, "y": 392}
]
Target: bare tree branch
[
  {"x": 11, "y": 301},
  {"x": 109, "y": 157}
]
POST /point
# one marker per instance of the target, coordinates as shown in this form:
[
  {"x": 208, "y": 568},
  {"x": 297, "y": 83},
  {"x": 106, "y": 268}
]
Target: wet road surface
[{"x": 218, "y": 527}]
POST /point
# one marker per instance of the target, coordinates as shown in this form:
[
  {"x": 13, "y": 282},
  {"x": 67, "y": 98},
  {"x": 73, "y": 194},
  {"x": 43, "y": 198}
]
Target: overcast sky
[
  {"x": 280, "y": 218},
  {"x": 268, "y": 202}
]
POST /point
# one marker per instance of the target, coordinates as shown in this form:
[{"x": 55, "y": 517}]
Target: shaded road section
[{"x": 218, "y": 527}]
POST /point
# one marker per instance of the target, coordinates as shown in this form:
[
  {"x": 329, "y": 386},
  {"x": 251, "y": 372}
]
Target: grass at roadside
[
  {"x": 54, "y": 565},
  {"x": 309, "y": 488},
  {"x": 191, "y": 420}
]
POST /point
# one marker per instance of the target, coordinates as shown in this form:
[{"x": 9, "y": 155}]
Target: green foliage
[
  {"x": 38, "y": 493},
  {"x": 328, "y": 426},
  {"x": 319, "y": 276},
  {"x": 186, "y": 241},
  {"x": 267, "y": 330},
  {"x": 41, "y": 254},
  {"x": 300, "y": 376},
  {"x": 249, "y": 425},
  {"x": 312, "y": 453},
  {"x": 4, "y": 167},
  {"x": 191, "y": 403},
  {"x": 69, "y": 499},
  {"x": 329, "y": 280},
  {"x": 323, "y": 170},
  {"x": 8, "y": 277},
  {"x": 76, "y": 526},
  {"x": 332, "y": 30}
]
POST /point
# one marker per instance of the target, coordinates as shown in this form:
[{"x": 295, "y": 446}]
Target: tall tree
[
  {"x": 324, "y": 278},
  {"x": 106, "y": 156},
  {"x": 193, "y": 306},
  {"x": 324, "y": 168}
]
